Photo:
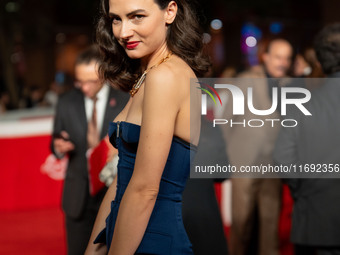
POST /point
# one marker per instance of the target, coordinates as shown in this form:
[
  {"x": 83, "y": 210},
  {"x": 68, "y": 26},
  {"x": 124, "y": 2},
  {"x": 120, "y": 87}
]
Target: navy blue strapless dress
[{"x": 165, "y": 233}]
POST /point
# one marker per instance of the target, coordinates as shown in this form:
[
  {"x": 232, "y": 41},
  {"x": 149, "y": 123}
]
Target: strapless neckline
[
  {"x": 165, "y": 232},
  {"x": 175, "y": 138}
]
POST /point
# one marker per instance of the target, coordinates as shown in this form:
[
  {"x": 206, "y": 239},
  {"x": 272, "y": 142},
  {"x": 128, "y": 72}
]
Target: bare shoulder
[{"x": 173, "y": 75}]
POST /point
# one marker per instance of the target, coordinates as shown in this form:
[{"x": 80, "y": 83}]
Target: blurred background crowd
[
  {"x": 40, "y": 40},
  {"x": 39, "y": 44}
]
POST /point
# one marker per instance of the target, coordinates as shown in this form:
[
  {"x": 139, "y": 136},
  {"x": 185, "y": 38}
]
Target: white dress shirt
[{"x": 102, "y": 97}]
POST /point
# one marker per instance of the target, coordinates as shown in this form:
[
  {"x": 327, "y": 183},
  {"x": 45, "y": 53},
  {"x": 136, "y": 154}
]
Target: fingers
[
  {"x": 62, "y": 146},
  {"x": 65, "y": 135}
]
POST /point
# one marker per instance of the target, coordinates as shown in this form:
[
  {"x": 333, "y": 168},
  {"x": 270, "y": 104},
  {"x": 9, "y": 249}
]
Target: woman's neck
[{"x": 154, "y": 58}]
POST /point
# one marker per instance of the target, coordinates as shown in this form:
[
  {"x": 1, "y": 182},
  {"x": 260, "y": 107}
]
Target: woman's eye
[
  {"x": 138, "y": 17},
  {"x": 115, "y": 20}
]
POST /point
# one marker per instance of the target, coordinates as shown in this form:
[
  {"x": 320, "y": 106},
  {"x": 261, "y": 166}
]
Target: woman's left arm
[{"x": 160, "y": 108}]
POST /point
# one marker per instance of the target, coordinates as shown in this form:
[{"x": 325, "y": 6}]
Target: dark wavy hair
[
  {"x": 327, "y": 48},
  {"x": 184, "y": 38}
]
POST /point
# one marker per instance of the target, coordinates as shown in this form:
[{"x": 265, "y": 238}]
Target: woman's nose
[{"x": 126, "y": 30}]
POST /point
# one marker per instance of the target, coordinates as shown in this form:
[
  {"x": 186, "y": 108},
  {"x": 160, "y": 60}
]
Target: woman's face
[{"x": 139, "y": 26}]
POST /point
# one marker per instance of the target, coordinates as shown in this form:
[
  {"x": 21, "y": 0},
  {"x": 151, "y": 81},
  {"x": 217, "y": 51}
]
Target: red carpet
[
  {"x": 41, "y": 231},
  {"x": 286, "y": 247},
  {"x": 38, "y": 232}
]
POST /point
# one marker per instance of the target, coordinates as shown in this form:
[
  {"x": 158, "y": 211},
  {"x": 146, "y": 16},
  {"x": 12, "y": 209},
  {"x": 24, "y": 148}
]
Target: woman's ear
[{"x": 170, "y": 12}]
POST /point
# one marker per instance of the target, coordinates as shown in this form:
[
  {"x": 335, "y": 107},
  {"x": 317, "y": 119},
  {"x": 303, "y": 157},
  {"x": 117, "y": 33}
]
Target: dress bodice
[
  {"x": 125, "y": 136},
  {"x": 165, "y": 233}
]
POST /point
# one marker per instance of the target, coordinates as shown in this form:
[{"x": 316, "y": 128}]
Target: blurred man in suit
[
  {"x": 81, "y": 121},
  {"x": 255, "y": 201},
  {"x": 201, "y": 214},
  {"x": 316, "y": 140}
]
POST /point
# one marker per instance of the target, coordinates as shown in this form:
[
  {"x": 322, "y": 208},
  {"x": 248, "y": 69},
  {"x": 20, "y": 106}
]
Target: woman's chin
[{"x": 133, "y": 54}]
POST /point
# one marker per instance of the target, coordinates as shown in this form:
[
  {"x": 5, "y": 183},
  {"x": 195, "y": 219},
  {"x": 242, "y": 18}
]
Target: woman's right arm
[
  {"x": 99, "y": 225},
  {"x": 105, "y": 207}
]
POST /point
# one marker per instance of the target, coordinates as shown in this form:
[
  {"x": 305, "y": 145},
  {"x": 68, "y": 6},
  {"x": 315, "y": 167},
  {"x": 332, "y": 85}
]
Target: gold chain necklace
[{"x": 140, "y": 81}]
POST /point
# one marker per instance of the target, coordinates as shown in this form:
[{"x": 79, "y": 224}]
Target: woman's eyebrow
[
  {"x": 129, "y": 14},
  {"x": 135, "y": 12}
]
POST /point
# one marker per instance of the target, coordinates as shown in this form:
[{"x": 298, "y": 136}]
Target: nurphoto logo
[{"x": 279, "y": 101}]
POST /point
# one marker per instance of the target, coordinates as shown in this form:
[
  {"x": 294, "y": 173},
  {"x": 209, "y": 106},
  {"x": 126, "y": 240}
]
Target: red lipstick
[{"x": 131, "y": 45}]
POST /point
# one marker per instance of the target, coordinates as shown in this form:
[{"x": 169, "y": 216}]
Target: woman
[{"x": 160, "y": 41}]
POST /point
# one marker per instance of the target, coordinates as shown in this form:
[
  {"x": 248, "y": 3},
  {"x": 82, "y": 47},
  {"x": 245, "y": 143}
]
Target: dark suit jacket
[
  {"x": 71, "y": 117},
  {"x": 316, "y": 140},
  {"x": 201, "y": 214}
]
